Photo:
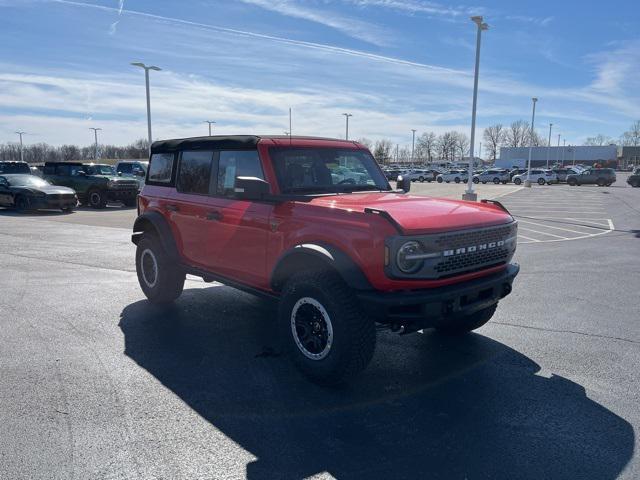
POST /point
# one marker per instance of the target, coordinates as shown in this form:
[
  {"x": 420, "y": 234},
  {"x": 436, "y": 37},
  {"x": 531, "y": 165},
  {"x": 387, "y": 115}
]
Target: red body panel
[{"x": 246, "y": 239}]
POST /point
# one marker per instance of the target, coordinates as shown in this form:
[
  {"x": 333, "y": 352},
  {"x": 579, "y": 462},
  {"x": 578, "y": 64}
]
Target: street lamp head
[
  {"x": 477, "y": 20},
  {"x": 534, "y": 99},
  {"x": 142, "y": 65},
  {"x": 484, "y": 26},
  {"x": 153, "y": 67},
  {"x": 348, "y": 114},
  {"x": 139, "y": 64}
]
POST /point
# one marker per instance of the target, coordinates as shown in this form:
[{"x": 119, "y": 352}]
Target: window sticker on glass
[{"x": 230, "y": 174}]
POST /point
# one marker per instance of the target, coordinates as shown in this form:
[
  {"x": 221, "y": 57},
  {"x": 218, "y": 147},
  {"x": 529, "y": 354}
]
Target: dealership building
[{"x": 587, "y": 155}]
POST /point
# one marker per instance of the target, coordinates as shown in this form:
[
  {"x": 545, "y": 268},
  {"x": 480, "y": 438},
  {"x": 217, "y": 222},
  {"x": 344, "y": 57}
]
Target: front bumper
[
  {"x": 419, "y": 309},
  {"x": 118, "y": 195},
  {"x": 38, "y": 203}
]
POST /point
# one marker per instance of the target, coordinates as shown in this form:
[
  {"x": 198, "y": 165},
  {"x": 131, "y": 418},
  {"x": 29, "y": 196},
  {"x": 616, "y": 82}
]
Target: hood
[
  {"x": 421, "y": 215},
  {"x": 48, "y": 189}
]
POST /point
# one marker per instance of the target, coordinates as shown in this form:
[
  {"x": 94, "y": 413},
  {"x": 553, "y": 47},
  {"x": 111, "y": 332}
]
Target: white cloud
[{"x": 352, "y": 27}]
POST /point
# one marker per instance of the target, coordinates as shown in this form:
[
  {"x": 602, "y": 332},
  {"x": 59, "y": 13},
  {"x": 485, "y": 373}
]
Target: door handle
[
  {"x": 172, "y": 208},
  {"x": 214, "y": 215}
]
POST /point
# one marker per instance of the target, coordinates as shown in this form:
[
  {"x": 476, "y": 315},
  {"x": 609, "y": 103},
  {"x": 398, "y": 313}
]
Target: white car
[
  {"x": 420, "y": 175},
  {"x": 453, "y": 176},
  {"x": 538, "y": 175},
  {"x": 495, "y": 175}
]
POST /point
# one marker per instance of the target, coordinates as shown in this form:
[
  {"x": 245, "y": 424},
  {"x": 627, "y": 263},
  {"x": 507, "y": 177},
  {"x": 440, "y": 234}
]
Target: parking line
[
  {"x": 556, "y": 228},
  {"x": 543, "y": 233},
  {"x": 531, "y": 240}
]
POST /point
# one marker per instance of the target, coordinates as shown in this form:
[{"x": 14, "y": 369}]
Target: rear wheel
[
  {"x": 161, "y": 279},
  {"x": 439, "y": 180},
  {"x": 517, "y": 181},
  {"x": 96, "y": 199},
  {"x": 421, "y": 179},
  {"x": 572, "y": 182},
  {"x": 477, "y": 180},
  {"x": 541, "y": 181},
  {"x": 496, "y": 180},
  {"x": 601, "y": 182},
  {"x": 457, "y": 179},
  {"x": 468, "y": 323},
  {"x": 323, "y": 327}
]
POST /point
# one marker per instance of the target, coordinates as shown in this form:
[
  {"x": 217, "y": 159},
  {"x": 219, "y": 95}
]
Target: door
[
  {"x": 189, "y": 210},
  {"x": 6, "y": 197},
  {"x": 242, "y": 227}
]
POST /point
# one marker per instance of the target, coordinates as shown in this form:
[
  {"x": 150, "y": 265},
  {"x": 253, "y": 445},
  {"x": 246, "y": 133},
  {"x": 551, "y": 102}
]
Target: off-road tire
[
  {"x": 462, "y": 325},
  {"x": 168, "y": 282},
  {"x": 96, "y": 198},
  {"x": 354, "y": 335},
  {"x": 518, "y": 181}
]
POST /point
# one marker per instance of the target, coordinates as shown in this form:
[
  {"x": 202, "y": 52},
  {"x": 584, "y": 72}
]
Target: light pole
[
  {"x": 480, "y": 151},
  {"x": 527, "y": 182},
  {"x": 95, "y": 134},
  {"x": 558, "y": 157},
  {"x": 549, "y": 145},
  {"x": 346, "y": 116},
  {"x": 564, "y": 147},
  {"x": 21, "y": 133},
  {"x": 470, "y": 194},
  {"x": 413, "y": 145},
  {"x": 146, "y": 79},
  {"x": 210, "y": 122},
  {"x": 574, "y": 155}
]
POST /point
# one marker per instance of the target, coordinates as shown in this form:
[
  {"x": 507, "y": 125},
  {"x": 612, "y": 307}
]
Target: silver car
[{"x": 495, "y": 175}]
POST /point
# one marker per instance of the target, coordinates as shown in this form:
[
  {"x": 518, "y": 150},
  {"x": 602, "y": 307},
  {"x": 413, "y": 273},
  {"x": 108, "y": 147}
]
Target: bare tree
[
  {"x": 598, "y": 140},
  {"x": 446, "y": 146},
  {"x": 426, "y": 146},
  {"x": 517, "y": 134},
  {"x": 494, "y": 137},
  {"x": 462, "y": 144},
  {"x": 382, "y": 151},
  {"x": 631, "y": 138},
  {"x": 366, "y": 142}
]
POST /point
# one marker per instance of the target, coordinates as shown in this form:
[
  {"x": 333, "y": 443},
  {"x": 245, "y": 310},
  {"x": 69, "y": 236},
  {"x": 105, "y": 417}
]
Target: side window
[
  {"x": 49, "y": 170},
  {"x": 64, "y": 170},
  {"x": 161, "y": 167},
  {"x": 125, "y": 167},
  {"x": 234, "y": 164},
  {"x": 195, "y": 173},
  {"x": 76, "y": 169}
]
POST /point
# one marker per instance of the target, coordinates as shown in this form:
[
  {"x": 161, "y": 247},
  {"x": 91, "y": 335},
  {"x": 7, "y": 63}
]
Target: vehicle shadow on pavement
[
  {"x": 10, "y": 212},
  {"x": 428, "y": 406}
]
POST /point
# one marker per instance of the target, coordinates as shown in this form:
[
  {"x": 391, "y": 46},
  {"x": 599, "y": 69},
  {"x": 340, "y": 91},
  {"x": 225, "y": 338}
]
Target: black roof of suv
[{"x": 15, "y": 167}]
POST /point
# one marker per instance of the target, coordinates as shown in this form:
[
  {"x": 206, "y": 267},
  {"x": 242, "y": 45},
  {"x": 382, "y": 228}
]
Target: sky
[{"x": 396, "y": 65}]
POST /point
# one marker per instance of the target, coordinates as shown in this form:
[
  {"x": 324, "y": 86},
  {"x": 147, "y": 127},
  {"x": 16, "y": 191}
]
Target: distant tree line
[{"x": 42, "y": 152}]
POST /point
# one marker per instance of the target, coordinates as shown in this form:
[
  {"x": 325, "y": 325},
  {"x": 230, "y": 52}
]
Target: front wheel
[
  {"x": 517, "y": 181},
  {"x": 421, "y": 179},
  {"x": 496, "y": 180},
  {"x": 160, "y": 278},
  {"x": 439, "y": 180},
  {"x": 541, "y": 181},
  {"x": 477, "y": 180},
  {"x": 468, "y": 323},
  {"x": 324, "y": 329},
  {"x": 601, "y": 182},
  {"x": 457, "y": 179},
  {"x": 97, "y": 199},
  {"x": 572, "y": 182}
]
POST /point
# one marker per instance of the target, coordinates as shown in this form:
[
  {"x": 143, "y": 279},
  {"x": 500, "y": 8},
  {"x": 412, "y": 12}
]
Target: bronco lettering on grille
[{"x": 473, "y": 248}]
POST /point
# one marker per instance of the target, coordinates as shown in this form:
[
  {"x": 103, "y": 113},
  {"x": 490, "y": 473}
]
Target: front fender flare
[
  {"x": 307, "y": 255},
  {"x": 154, "y": 222}
]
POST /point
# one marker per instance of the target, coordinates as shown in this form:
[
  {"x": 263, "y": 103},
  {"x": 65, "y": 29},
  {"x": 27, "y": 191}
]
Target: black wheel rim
[{"x": 311, "y": 328}]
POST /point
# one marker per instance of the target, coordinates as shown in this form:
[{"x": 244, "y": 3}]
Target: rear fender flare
[{"x": 154, "y": 222}]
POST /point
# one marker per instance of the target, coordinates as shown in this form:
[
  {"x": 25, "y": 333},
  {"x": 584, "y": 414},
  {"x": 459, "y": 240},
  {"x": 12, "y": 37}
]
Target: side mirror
[
  {"x": 251, "y": 188},
  {"x": 403, "y": 183},
  {"x": 139, "y": 173}
]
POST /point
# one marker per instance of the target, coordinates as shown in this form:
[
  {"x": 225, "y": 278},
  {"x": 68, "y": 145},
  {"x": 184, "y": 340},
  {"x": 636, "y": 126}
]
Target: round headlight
[{"x": 403, "y": 258}]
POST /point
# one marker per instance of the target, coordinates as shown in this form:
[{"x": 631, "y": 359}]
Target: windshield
[
  {"x": 26, "y": 181},
  {"x": 99, "y": 170},
  {"x": 326, "y": 170}
]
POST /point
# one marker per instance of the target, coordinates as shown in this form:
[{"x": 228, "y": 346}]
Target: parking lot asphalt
[{"x": 97, "y": 383}]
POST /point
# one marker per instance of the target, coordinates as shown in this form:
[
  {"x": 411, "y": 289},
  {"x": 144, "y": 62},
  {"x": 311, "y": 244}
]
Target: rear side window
[
  {"x": 234, "y": 164},
  {"x": 195, "y": 173},
  {"x": 161, "y": 167},
  {"x": 64, "y": 170},
  {"x": 49, "y": 170},
  {"x": 125, "y": 167}
]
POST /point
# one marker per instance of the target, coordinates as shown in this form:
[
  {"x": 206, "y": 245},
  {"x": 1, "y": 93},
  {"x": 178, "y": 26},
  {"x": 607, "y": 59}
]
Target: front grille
[
  {"x": 491, "y": 246},
  {"x": 125, "y": 185},
  {"x": 61, "y": 196}
]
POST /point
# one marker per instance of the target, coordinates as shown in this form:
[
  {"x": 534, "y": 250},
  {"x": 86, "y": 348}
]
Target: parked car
[
  {"x": 133, "y": 169},
  {"x": 453, "y": 176},
  {"x": 593, "y": 176},
  {"x": 562, "y": 172},
  {"x": 15, "y": 167},
  {"x": 495, "y": 175},
  {"x": 516, "y": 171},
  {"x": 420, "y": 175},
  {"x": 95, "y": 184},
  {"x": 337, "y": 258},
  {"x": 28, "y": 192},
  {"x": 634, "y": 178},
  {"x": 538, "y": 175}
]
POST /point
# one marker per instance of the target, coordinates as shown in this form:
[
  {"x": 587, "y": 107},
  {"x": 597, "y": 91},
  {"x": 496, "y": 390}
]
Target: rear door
[{"x": 191, "y": 205}]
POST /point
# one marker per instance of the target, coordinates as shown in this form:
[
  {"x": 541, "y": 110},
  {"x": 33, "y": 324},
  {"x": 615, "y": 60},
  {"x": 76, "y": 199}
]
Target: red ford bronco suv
[{"x": 313, "y": 224}]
